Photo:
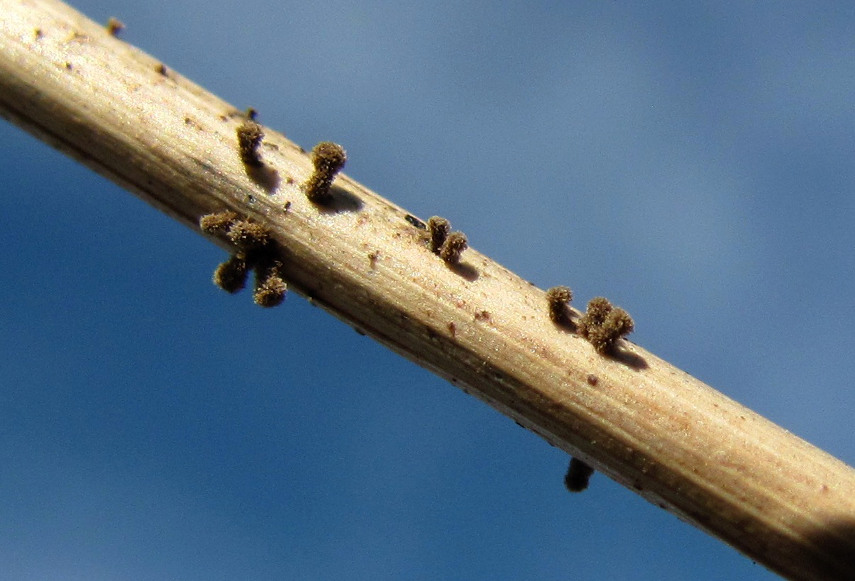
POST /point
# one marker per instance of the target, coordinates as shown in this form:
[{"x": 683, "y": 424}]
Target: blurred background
[{"x": 692, "y": 163}]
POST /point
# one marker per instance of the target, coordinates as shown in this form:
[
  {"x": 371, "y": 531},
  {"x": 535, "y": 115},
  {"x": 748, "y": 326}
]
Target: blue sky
[{"x": 690, "y": 162}]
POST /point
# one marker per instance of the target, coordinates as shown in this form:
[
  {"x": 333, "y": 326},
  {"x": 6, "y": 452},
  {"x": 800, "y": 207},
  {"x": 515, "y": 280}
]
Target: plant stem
[{"x": 660, "y": 432}]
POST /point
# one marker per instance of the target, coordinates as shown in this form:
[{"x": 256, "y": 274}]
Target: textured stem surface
[{"x": 632, "y": 416}]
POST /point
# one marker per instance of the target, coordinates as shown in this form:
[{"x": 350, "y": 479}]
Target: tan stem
[{"x": 653, "y": 428}]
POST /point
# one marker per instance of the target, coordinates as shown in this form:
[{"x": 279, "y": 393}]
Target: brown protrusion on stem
[
  {"x": 595, "y": 315},
  {"x": 249, "y": 135},
  {"x": 328, "y": 158},
  {"x": 558, "y": 298},
  {"x": 270, "y": 287},
  {"x": 231, "y": 275},
  {"x": 619, "y": 323},
  {"x": 578, "y": 475},
  {"x": 253, "y": 252},
  {"x": 602, "y": 325},
  {"x": 218, "y": 222},
  {"x": 439, "y": 228},
  {"x": 115, "y": 26},
  {"x": 453, "y": 247},
  {"x": 248, "y": 235}
]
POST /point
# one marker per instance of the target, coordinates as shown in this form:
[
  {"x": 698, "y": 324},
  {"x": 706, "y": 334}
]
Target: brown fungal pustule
[
  {"x": 270, "y": 287},
  {"x": 115, "y": 26},
  {"x": 328, "y": 158},
  {"x": 249, "y": 135},
  {"x": 218, "y": 222},
  {"x": 453, "y": 247},
  {"x": 558, "y": 299},
  {"x": 248, "y": 235},
  {"x": 592, "y": 379},
  {"x": 231, "y": 275},
  {"x": 595, "y": 315},
  {"x": 578, "y": 475},
  {"x": 438, "y": 228},
  {"x": 619, "y": 323},
  {"x": 602, "y": 325},
  {"x": 243, "y": 233},
  {"x": 254, "y": 251}
]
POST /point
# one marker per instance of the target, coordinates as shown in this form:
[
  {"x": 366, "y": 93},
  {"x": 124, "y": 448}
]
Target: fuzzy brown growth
[
  {"x": 248, "y": 235},
  {"x": 328, "y": 158},
  {"x": 602, "y": 325},
  {"x": 253, "y": 244},
  {"x": 558, "y": 298},
  {"x": 439, "y": 229},
  {"x": 232, "y": 274},
  {"x": 249, "y": 136},
  {"x": 595, "y": 315},
  {"x": 217, "y": 223},
  {"x": 115, "y": 26},
  {"x": 270, "y": 287},
  {"x": 578, "y": 475},
  {"x": 453, "y": 247},
  {"x": 243, "y": 233}
]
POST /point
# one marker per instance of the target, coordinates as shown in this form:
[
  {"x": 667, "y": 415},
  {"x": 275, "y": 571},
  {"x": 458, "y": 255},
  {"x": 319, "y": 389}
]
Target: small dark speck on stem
[{"x": 115, "y": 26}]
